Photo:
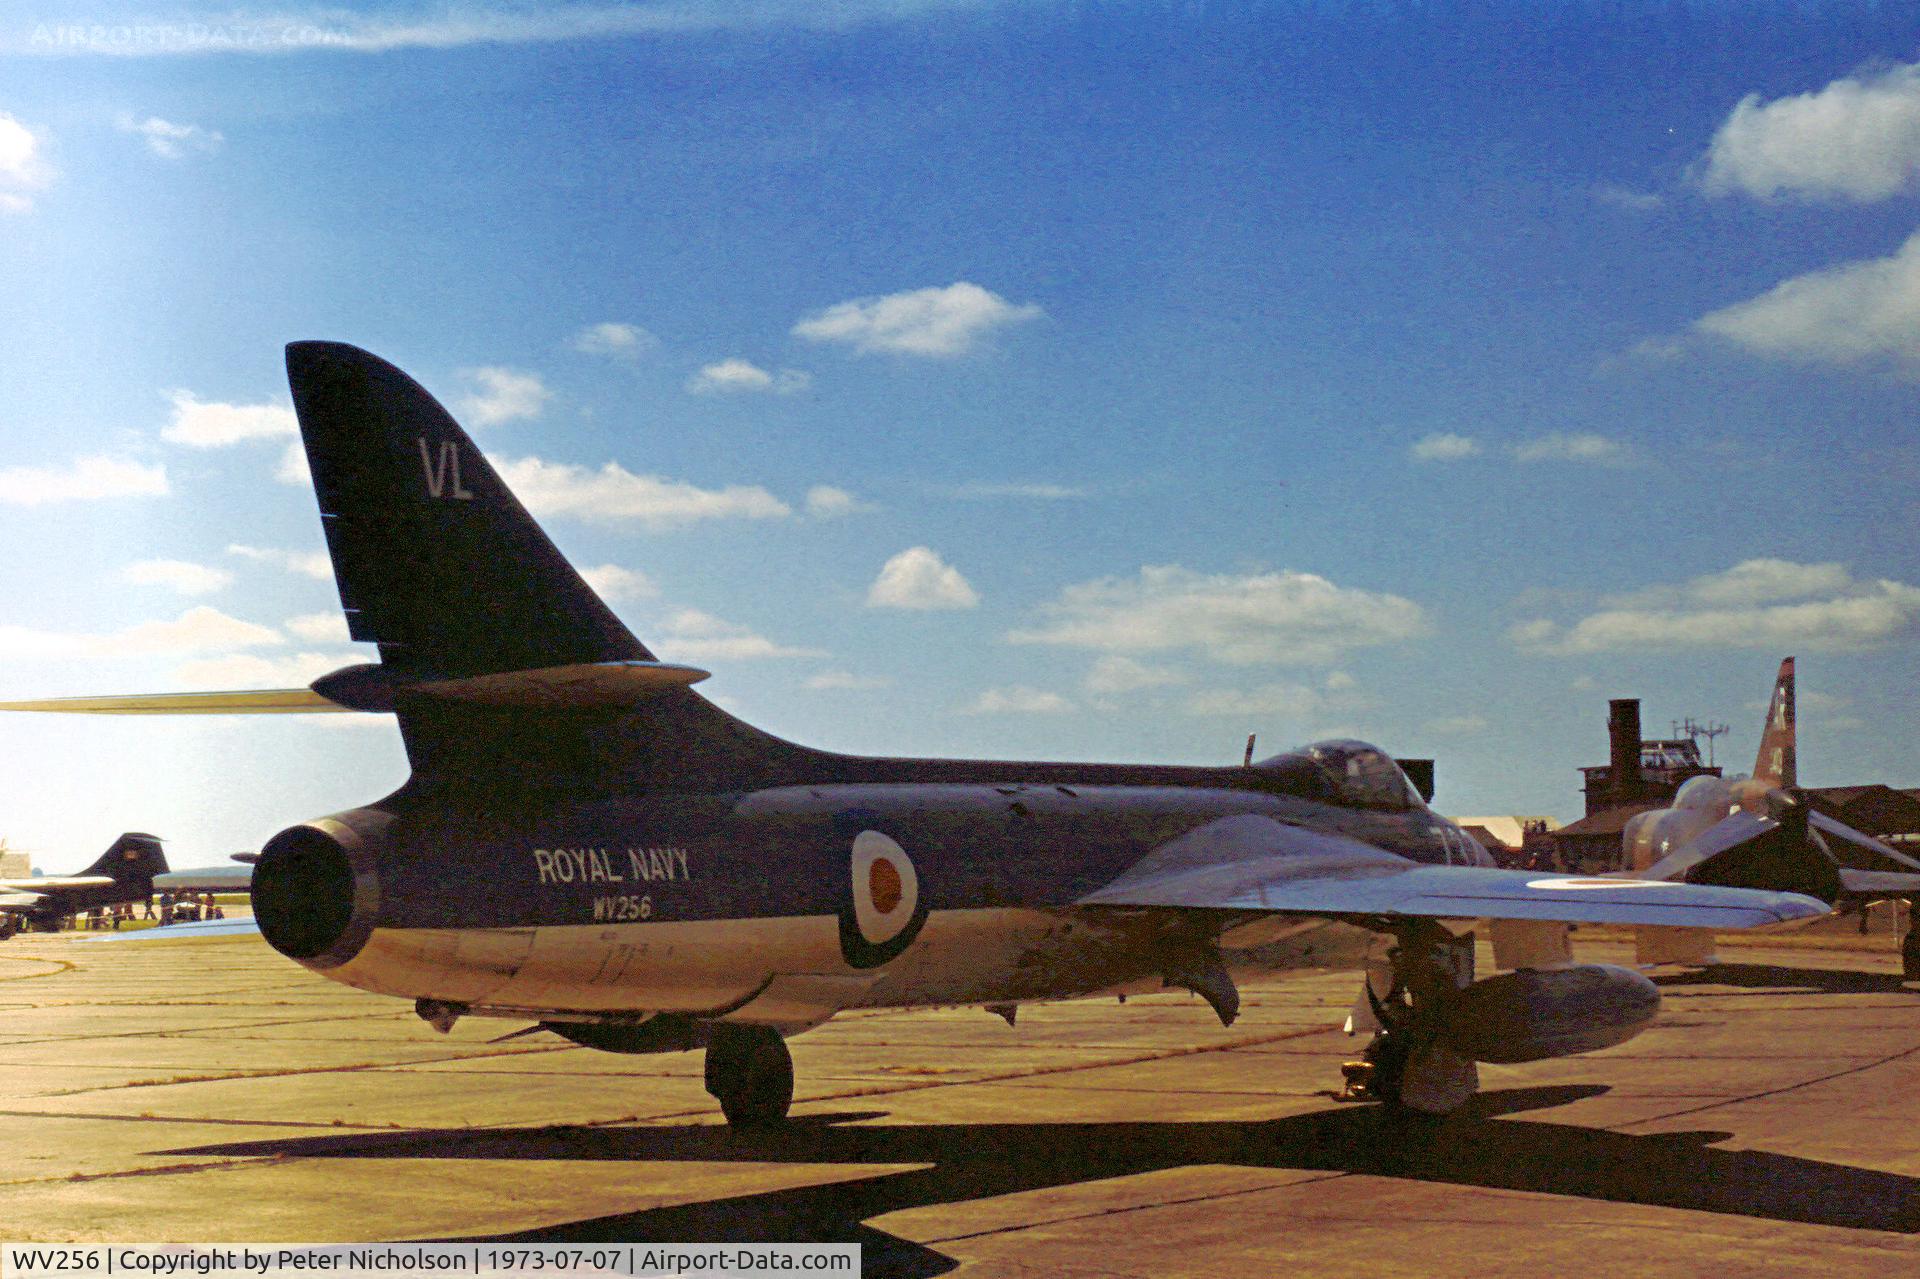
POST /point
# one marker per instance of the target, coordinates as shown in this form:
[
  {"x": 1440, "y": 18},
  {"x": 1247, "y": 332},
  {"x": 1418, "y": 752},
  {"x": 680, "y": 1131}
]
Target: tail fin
[
  {"x": 1776, "y": 764},
  {"x": 436, "y": 561},
  {"x": 440, "y": 566},
  {"x": 133, "y": 857}
]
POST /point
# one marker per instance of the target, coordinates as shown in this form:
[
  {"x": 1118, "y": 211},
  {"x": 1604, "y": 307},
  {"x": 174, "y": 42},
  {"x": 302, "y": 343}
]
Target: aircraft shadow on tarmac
[
  {"x": 1771, "y": 977},
  {"x": 975, "y": 1161}
]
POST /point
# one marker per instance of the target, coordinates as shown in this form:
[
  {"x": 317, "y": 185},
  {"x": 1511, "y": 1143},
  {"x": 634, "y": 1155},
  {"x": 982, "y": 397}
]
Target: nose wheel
[{"x": 750, "y": 1073}]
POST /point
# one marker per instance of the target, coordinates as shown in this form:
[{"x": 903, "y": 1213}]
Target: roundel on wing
[{"x": 885, "y": 891}]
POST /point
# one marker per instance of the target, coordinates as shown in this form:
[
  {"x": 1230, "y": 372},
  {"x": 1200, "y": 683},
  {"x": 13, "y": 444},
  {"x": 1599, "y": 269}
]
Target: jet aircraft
[
  {"x": 587, "y": 844},
  {"x": 124, "y": 873},
  {"x": 1760, "y": 831}
]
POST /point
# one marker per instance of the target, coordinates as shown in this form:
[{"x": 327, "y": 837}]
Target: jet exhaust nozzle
[{"x": 316, "y": 896}]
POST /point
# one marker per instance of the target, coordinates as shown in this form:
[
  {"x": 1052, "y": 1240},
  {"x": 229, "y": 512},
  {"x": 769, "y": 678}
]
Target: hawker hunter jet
[
  {"x": 1761, "y": 831},
  {"x": 124, "y": 873},
  {"x": 588, "y": 845}
]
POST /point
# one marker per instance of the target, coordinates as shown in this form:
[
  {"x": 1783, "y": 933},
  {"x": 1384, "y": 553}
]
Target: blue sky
[{"x": 1024, "y": 380}]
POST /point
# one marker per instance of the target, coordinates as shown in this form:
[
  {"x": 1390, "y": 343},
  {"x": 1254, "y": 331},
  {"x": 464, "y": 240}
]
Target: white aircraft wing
[
  {"x": 1254, "y": 863},
  {"x": 10, "y": 900}
]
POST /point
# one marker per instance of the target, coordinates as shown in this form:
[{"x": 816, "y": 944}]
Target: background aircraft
[
  {"x": 1760, "y": 831},
  {"x": 124, "y": 873},
  {"x": 587, "y": 844}
]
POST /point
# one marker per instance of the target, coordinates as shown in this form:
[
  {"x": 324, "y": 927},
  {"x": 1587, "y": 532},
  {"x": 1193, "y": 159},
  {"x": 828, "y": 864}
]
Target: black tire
[
  {"x": 1910, "y": 954},
  {"x": 750, "y": 1073},
  {"x": 1388, "y": 1054}
]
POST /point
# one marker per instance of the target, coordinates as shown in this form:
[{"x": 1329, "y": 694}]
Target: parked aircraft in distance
[
  {"x": 1760, "y": 831},
  {"x": 587, "y": 844},
  {"x": 124, "y": 873}
]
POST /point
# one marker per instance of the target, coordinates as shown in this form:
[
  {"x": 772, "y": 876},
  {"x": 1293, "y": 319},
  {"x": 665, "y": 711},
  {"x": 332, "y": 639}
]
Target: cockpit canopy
[{"x": 1355, "y": 773}]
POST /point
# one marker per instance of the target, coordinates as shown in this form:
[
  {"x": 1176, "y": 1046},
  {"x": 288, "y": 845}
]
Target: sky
[{"x": 1022, "y": 380}]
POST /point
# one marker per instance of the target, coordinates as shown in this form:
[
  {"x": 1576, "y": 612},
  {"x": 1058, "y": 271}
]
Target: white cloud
[
  {"x": 168, "y": 140},
  {"x": 1773, "y": 605},
  {"x": 314, "y": 564},
  {"x": 1240, "y": 619},
  {"x": 183, "y": 576},
  {"x": 847, "y": 680},
  {"x": 737, "y": 375},
  {"x": 205, "y": 424},
  {"x": 293, "y": 468},
  {"x": 613, "y": 339},
  {"x": 1292, "y": 701},
  {"x": 1038, "y": 492},
  {"x": 342, "y": 29},
  {"x": 85, "y": 479},
  {"x": 321, "y": 628},
  {"x": 1017, "y": 700},
  {"x": 1443, "y": 446},
  {"x": 250, "y": 670},
  {"x": 23, "y": 167},
  {"x": 198, "y": 630},
  {"x": 917, "y": 578},
  {"x": 614, "y": 494},
  {"x": 1581, "y": 446},
  {"x": 939, "y": 322},
  {"x": 1114, "y": 674},
  {"x": 825, "y": 502},
  {"x": 1755, "y": 581},
  {"x": 1842, "y": 315},
  {"x": 611, "y": 582},
  {"x": 696, "y": 636},
  {"x": 1857, "y": 139},
  {"x": 502, "y": 395}
]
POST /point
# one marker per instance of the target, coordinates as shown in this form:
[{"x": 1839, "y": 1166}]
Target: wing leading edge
[{"x": 1254, "y": 863}]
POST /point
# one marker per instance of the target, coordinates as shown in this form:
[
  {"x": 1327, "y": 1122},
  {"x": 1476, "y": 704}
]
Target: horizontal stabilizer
[
  {"x": 372, "y": 688},
  {"x": 249, "y": 701}
]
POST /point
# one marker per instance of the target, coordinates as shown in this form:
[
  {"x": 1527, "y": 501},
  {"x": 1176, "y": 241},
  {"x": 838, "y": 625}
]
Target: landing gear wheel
[
  {"x": 1387, "y": 1058},
  {"x": 8, "y": 926},
  {"x": 750, "y": 1073},
  {"x": 1910, "y": 950}
]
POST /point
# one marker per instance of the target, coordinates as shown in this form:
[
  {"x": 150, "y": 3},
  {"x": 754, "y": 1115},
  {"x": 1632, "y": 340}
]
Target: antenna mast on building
[{"x": 1697, "y": 731}]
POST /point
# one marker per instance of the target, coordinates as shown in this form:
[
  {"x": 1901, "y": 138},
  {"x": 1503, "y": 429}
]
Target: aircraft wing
[
  {"x": 1254, "y": 863},
  {"x": 205, "y": 879},
  {"x": 18, "y": 901},
  {"x": 186, "y": 932},
  {"x": 41, "y": 885}
]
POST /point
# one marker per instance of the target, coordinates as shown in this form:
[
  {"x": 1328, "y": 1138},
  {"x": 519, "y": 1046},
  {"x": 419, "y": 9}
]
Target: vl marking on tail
[{"x": 447, "y": 468}]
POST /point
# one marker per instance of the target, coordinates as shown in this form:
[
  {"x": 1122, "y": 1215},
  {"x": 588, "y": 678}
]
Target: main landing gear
[
  {"x": 750, "y": 1073},
  {"x": 1910, "y": 948},
  {"x": 1405, "y": 1067}
]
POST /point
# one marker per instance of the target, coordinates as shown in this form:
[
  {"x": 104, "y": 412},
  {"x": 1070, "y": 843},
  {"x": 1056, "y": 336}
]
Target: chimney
[{"x": 1623, "y": 740}]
